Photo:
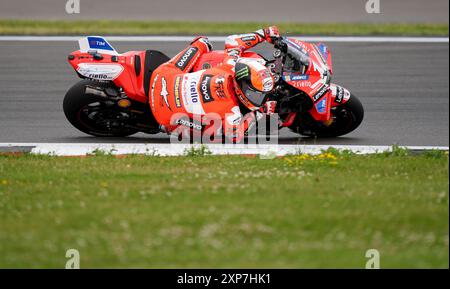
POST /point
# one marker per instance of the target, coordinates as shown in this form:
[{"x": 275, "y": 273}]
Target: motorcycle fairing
[
  {"x": 316, "y": 79},
  {"x": 123, "y": 69}
]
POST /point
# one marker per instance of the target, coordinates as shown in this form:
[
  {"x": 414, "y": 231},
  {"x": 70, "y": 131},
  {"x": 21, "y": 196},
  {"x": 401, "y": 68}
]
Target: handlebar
[{"x": 286, "y": 47}]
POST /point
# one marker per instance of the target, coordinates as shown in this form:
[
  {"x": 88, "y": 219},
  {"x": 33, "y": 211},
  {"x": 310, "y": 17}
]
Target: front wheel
[
  {"x": 93, "y": 114},
  {"x": 346, "y": 118}
]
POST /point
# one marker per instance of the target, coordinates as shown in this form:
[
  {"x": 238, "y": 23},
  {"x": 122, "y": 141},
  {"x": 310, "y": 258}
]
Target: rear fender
[
  {"x": 98, "y": 60},
  {"x": 125, "y": 70}
]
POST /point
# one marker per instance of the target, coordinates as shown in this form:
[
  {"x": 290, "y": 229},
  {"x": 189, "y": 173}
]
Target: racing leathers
[{"x": 178, "y": 97}]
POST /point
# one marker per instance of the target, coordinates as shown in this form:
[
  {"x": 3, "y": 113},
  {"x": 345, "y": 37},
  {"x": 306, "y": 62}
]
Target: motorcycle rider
[{"x": 234, "y": 86}]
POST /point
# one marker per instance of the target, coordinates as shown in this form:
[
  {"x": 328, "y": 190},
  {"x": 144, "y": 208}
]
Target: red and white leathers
[{"x": 175, "y": 92}]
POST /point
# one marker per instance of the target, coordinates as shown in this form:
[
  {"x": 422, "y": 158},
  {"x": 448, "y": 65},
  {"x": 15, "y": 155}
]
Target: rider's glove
[
  {"x": 268, "y": 107},
  {"x": 271, "y": 34},
  {"x": 203, "y": 40}
]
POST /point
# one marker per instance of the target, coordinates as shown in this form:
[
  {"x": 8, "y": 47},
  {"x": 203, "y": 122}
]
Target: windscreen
[{"x": 297, "y": 60}]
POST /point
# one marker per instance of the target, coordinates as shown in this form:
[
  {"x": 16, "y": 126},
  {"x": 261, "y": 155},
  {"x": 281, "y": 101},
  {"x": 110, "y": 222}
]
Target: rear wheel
[
  {"x": 346, "y": 118},
  {"x": 93, "y": 114}
]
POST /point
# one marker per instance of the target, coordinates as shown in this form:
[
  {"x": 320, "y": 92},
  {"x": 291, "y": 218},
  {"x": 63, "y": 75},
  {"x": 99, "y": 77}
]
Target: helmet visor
[{"x": 257, "y": 98}]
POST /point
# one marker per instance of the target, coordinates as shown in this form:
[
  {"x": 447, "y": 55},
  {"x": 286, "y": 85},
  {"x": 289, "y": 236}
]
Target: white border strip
[
  {"x": 81, "y": 149},
  {"x": 222, "y": 38}
]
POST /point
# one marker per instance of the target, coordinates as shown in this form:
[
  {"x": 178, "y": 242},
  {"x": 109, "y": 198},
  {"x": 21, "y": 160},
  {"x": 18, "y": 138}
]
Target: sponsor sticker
[
  {"x": 339, "y": 94},
  {"x": 177, "y": 91},
  {"x": 264, "y": 73},
  {"x": 186, "y": 58},
  {"x": 188, "y": 123},
  {"x": 220, "y": 86},
  {"x": 300, "y": 77},
  {"x": 99, "y": 43},
  {"x": 323, "y": 50},
  {"x": 301, "y": 84},
  {"x": 301, "y": 46},
  {"x": 100, "y": 71},
  {"x": 190, "y": 92},
  {"x": 153, "y": 91},
  {"x": 268, "y": 84},
  {"x": 242, "y": 73},
  {"x": 249, "y": 37},
  {"x": 205, "y": 88},
  {"x": 164, "y": 93},
  {"x": 319, "y": 54},
  {"x": 321, "y": 105},
  {"x": 321, "y": 93},
  {"x": 288, "y": 78},
  {"x": 98, "y": 76}
]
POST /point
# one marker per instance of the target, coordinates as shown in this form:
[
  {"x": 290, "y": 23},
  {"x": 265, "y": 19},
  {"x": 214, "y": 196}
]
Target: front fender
[{"x": 339, "y": 95}]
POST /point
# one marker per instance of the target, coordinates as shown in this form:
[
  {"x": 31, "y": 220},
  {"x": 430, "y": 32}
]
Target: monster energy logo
[{"x": 241, "y": 73}]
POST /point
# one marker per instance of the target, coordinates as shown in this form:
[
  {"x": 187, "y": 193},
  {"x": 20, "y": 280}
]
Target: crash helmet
[{"x": 253, "y": 82}]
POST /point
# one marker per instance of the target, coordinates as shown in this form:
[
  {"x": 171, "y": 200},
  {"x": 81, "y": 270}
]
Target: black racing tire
[
  {"x": 77, "y": 103},
  {"x": 348, "y": 117}
]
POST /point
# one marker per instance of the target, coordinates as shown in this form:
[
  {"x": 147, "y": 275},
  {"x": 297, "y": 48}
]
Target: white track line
[
  {"x": 221, "y": 39},
  {"x": 79, "y": 149}
]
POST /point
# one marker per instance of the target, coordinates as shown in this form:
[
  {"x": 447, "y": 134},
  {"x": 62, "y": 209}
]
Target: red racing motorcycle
[{"x": 112, "y": 97}]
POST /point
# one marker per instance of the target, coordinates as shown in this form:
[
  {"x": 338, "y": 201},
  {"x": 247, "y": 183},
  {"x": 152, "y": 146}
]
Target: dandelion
[{"x": 325, "y": 157}]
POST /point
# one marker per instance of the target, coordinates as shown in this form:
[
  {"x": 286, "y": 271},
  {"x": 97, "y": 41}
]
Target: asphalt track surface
[
  {"x": 434, "y": 11},
  {"x": 404, "y": 88}
]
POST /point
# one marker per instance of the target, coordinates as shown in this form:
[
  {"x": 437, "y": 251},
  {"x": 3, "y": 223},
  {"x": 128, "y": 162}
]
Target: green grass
[
  {"x": 225, "y": 211},
  {"x": 109, "y": 27}
]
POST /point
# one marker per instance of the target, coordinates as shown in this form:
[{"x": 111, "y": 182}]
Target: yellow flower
[{"x": 322, "y": 158}]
